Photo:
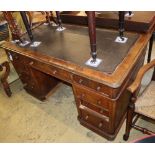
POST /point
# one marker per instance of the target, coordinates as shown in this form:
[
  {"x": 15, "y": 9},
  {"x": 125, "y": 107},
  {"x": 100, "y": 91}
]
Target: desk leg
[
  {"x": 4, "y": 77},
  {"x": 92, "y": 33}
]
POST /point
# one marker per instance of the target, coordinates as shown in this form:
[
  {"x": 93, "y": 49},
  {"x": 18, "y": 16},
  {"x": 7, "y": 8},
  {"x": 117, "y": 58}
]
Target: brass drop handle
[
  {"x": 101, "y": 111},
  {"x": 86, "y": 118},
  {"x": 80, "y": 81},
  {"x": 54, "y": 72},
  {"x": 32, "y": 85},
  {"x": 86, "y": 104},
  {"x": 99, "y": 102},
  {"x": 16, "y": 57},
  {"x": 31, "y": 63},
  {"x": 100, "y": 125},
  {"x": 82, "y": 95},
  {"x": 98, "y": 88}
]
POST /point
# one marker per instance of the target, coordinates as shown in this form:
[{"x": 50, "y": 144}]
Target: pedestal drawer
[
  {"x": 98, "y": 121},
  {"x": 99, "y": 109},
  {"x": 91, "y": 97},
  {"x": 104, "y": 90}
]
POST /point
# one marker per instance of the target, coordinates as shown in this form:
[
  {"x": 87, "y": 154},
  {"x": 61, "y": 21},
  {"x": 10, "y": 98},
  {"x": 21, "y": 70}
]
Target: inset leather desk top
[{"x": 73, "y": 45}]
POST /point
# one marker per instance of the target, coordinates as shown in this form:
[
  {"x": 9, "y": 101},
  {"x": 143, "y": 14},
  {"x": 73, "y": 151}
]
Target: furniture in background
[
  {"x": 13, "y": 26},
  {"x": 146, "y": 139},
  {"x": 150, "y": 48},
  {"x": 5, "y": 66},
  {"x": 139, "y": 105}
]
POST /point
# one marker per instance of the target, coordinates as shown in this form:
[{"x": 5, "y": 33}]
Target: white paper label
[
  {"x": 119, "y": 40},
  {"x": 93, "y": 64}
]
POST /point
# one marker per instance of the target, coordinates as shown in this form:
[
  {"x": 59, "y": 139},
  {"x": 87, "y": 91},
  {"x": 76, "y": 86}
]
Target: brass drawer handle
[
  {"x": 100, "y": 125},
  {"x": 82, "y": 95},
  {"x": 98, "y": 88},
  {"x": 54, "y": 72},
  {"x": 99, "y": 102},
  {"x": 16, "y": 57},
  {"x": 31, "y": 63},
  {"x": 101, "y": 111},
  {"x": 86, "y": 118},
  {"x": 80, "y": 81},
  {"x": 86, "y": 104}
]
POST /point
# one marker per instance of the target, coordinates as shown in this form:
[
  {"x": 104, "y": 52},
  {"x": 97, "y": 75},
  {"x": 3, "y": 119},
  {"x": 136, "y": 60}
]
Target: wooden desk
[{"x": 100, "y": 93}]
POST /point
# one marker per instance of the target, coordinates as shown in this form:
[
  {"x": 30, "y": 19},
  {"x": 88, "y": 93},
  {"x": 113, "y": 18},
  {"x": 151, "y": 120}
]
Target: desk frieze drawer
[
  {"x": 51, "y": 70},
  {"x": 91, "y": 97},
  {"x": 104, "y": 90},
  {"x": 94, "y": 119}
]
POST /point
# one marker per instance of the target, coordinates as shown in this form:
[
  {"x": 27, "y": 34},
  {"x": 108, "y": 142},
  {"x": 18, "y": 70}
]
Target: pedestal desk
[{"x": 100, "y": 92}]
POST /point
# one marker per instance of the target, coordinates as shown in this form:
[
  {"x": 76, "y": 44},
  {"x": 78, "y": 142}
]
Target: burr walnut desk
[{"x": 100, "y": 92}]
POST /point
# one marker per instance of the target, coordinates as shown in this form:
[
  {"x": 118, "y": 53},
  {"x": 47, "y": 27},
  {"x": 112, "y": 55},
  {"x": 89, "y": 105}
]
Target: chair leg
[
  {"x": 129, "y": 119},
  {"x": 4, "y": 78},
  {"x": 150, "y": 49},
  {"x": 7, "y": 88}
]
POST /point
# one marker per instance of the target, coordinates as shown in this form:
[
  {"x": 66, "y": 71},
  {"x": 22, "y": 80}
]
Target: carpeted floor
[{"x": 25, "y": 119}]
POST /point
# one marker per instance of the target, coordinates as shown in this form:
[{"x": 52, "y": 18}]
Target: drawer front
[
  {"x": 99, "y": 109},
  {"x": 25, "y": 78},
  {"x": 51, "y": 70},
  {"x": 100, "y": 88},
  {"x": 20, "y": 62},
  {"x": 92, "y": 97},
  {"x": 93, "y": 118}
]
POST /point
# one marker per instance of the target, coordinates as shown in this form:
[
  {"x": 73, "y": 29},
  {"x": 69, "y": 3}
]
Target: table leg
[
  {"x": 47, "y": 17},
  {"x": 4, "y": 77},
  {"x": 130, "y": 13},
  {"x": 59, "y": 19},
  {"x": 121, "y": 23},
  {"x": 92, "y": 33},
  {"x": 27, "y": 25}
]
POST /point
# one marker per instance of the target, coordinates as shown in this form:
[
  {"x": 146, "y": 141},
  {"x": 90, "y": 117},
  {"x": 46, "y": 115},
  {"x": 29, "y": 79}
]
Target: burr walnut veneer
[{"x": 100, "y": 93}]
